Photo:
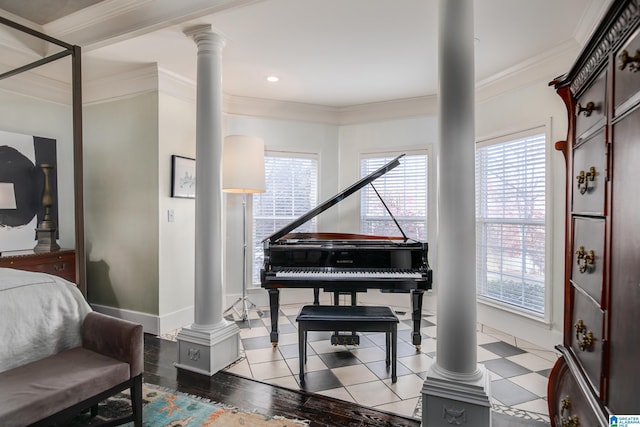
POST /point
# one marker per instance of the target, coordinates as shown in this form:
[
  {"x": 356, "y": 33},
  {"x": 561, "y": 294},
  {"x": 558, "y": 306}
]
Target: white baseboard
[{"x": 151, "y": 323}]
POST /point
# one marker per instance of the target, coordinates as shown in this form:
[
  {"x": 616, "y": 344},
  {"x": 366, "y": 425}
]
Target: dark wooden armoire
[{"x": 599, "y": 372}]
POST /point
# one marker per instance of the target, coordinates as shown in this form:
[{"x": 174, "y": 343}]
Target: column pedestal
[
  {"x": 208, "y": 351},
  {"x": 448, "y": 400}
]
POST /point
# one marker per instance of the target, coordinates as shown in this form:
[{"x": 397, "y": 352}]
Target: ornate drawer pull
[
  {"x": 570, "y": 421},
  {"x": 583, "y": 336},
  {"x": 586, "y": 260},
  {"x": 566, "y": 404},
  {"x": 60, "y": 266},
  {"x": 586, "y": 110},
  {"x": 584, "y": 178},
  {"x": 632, "y": 61}
]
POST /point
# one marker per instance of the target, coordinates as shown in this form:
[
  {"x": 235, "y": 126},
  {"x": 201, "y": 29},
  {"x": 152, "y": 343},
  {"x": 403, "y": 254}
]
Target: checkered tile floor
[{"x": 518, "y": 369}]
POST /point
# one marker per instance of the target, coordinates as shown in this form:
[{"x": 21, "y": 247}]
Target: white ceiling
[{"x": 326, "y": 52}]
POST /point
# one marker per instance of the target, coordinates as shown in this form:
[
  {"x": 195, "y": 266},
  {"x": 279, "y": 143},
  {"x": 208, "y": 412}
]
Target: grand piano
[{"x": 345, "y": 263}]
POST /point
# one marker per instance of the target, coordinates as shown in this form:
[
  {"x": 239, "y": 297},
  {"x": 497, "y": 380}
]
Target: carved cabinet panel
[{"x": 624, "y": 329}]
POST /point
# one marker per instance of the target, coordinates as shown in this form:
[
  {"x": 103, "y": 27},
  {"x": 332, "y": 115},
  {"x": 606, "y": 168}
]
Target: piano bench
[{"x": 352, "y": 319}]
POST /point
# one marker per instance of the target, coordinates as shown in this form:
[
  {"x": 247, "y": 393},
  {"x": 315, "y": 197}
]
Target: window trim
[{"x": 525, "y": 131}]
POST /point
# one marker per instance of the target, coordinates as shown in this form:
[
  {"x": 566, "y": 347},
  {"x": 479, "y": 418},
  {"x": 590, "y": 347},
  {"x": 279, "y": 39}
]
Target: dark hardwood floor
[{"x": 231, "y": 389}]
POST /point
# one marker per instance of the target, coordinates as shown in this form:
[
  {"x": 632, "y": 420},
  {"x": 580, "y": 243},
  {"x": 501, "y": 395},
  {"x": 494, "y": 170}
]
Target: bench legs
[
  {"x": 302, "y": 350},
  {"x": 391, "y": 350}
]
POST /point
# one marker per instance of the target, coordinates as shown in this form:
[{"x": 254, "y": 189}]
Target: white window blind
[
  {"x": 291, "y": 191},
  {"x": 510, "y": 222},
  {"x": 403, "y": 189}
]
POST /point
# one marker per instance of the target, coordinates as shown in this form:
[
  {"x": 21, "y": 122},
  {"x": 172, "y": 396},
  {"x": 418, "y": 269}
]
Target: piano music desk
[{"x": 352, "y": 319}]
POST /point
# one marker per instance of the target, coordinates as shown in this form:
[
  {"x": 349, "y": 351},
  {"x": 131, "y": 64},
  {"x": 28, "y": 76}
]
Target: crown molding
[
  {"x": 111, "y": 21},
  {"x": 152, "y": 77},
  {"x": 389, "y": 110},
  {"x": 88, "y": 17},
  {"x": 18, "y": 41},
  {"x": 123, "y": 85},
  {"x": 285, "y": 110},
  {"x": 38, "y": 86},
  {"x": 177, "y": 86},
  {"x": 590, "y": 19},
  {"x": 545, "y": 66}
]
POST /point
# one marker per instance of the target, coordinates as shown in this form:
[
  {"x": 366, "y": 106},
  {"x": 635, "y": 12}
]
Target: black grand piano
[{"x": 345, "y": 263}]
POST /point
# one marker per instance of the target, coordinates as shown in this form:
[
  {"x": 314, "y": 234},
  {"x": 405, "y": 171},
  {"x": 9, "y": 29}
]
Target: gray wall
[{"x": 121, "y": 203}]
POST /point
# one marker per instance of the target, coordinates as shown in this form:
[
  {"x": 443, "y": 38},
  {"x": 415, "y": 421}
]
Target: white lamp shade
[
  {"x": 7, "y": 196},
  {"x": 243, "y": 164}
]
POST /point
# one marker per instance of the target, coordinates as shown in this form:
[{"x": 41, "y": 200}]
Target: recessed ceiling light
[{"x": 273, "y": 79}]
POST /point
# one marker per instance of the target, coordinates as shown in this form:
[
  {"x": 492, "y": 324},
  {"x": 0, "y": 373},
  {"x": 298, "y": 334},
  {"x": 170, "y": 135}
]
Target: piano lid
[{"x": 334, "y": 200}]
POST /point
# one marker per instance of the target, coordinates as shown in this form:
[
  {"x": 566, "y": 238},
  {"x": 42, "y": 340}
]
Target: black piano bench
[{"x": 348, "y": 318}]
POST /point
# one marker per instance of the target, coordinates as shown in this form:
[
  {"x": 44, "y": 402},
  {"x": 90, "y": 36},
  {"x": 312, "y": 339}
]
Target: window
[
  {"x": 403, "y": 189},
  {"x": 291, "y": 190},
  {"x": 510, "y": 221}
]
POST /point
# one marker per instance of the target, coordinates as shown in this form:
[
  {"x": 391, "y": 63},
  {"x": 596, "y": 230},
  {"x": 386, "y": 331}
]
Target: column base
[
  {"x": 210, "y": 350},
  {"x": 452, "y": 400}
]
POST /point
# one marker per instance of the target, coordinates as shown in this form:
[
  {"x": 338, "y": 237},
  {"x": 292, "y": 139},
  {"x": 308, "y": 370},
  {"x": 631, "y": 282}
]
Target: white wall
[{"x": 176, "y": 240}]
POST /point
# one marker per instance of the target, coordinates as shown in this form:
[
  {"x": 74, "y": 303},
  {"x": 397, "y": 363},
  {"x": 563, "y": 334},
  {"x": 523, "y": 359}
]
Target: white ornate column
[
  {"x": 456, "y": 389},
  {"x": 211, "y": 342}
]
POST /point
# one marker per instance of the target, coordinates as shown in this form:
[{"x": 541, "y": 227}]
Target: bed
[{"x": 38, "y": 308}]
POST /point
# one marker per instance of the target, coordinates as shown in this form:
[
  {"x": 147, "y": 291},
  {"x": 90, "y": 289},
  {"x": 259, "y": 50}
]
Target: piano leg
[
  {"x": 274, "y": 307},
  {"x": 416, "y": 316}
]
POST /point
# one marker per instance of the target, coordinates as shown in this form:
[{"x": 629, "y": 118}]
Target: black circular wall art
[{"x": 17, "y": 169}]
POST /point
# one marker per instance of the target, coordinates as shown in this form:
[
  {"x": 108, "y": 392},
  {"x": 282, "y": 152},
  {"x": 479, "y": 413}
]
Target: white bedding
[{"x": 40, "y": 315}]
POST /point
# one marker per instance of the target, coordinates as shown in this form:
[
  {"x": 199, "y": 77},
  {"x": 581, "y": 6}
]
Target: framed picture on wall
[
  {"x": 183, "y": 177},
  {"x": 21, "y": 157}
]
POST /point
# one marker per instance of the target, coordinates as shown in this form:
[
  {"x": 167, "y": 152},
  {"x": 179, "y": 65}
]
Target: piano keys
[{"x": 345, "y": 263}]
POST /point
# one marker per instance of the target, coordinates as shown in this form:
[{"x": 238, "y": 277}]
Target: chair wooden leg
[{"x": 136, "y": 401}]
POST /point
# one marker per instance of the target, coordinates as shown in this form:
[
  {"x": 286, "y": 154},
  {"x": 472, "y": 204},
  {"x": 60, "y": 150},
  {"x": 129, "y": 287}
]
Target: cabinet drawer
[
  {"x": 589, "y": 175},
  {"x": 586, "y": 339},
  {"x": 588, "y": 249},
  {"x": 61, "y": 264},
  {"x": 627, "y": 75},
  {"x": 567, "y": 403},
  {"x": 591, "y": 107}
]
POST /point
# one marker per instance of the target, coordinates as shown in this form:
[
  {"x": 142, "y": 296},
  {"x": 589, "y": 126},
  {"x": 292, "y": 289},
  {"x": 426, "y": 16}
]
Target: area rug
[{"x": 164, "y": 408}]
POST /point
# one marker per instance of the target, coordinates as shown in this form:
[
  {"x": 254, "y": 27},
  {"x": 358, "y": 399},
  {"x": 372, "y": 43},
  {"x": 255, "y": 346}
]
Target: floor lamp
[{"x": 243, "y": 172}]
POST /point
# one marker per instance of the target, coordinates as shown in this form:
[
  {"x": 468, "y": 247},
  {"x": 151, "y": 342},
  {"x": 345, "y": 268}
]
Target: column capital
[{"x": 205, "y": 35}]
